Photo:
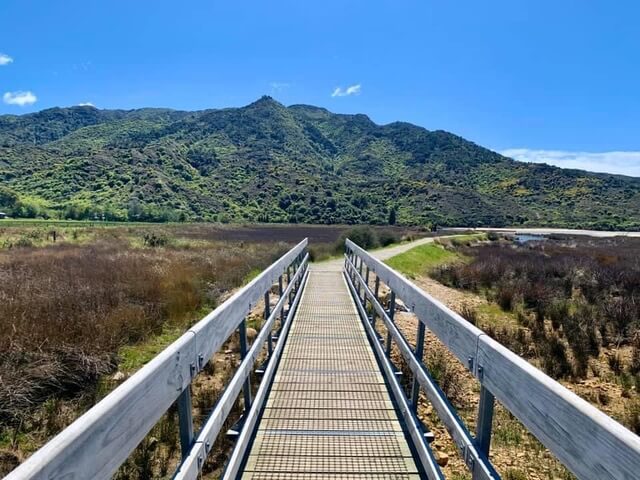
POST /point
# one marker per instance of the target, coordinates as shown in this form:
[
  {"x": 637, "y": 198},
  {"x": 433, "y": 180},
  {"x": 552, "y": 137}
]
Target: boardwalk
[
  {"x": 329, "y": 414},
  {"x": 329, "y": 404}
]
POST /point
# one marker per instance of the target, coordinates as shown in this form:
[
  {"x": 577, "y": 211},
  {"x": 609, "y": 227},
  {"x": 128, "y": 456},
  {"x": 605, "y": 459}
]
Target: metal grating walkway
[{"x": 328, "y": 414}]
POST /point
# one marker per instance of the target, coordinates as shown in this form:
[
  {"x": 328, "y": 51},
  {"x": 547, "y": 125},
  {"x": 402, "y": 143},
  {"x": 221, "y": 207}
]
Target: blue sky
[{"x": 554, "y": 81}]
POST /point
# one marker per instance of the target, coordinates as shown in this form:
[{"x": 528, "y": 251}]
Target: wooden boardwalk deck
[{"x": 329, "y": 414}]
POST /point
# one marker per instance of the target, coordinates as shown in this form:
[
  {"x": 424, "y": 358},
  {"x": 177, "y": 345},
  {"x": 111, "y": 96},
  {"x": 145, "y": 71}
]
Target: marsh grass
[
  {"x": 581, "y": 293},
  {"x": 71, "y": 314}
]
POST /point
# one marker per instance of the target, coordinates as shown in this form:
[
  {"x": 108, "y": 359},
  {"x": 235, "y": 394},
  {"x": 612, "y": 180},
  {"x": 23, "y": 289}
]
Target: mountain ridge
[{"x": 301, "y": 163}]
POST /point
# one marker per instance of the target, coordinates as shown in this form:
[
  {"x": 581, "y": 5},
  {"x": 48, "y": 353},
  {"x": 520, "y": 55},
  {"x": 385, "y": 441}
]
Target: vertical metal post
[
  {"x": 354, "y": 268},
  {"x": 359, "y": 278},
  {"x": 485, "y": 420},
  {"x": 375, "y": 294},
  {"x": 392, "y": 312},
  {"x": 415, "y": 388},
  {"x": 267, "y": 313},
  {"x": 294, "y": 290},
  {"x": 242, "y": 331},
  {"x": 364, "y": 290},
  {"x": 288, "y": 283},
  {"x": 185, "y": 421},
  {"x": 280, "y": 291}
]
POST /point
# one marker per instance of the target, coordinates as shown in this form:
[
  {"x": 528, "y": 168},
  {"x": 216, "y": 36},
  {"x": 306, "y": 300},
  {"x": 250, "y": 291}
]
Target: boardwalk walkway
[
  {"x": 329, "y": 414},
  {"x": 324, "y": 407}
]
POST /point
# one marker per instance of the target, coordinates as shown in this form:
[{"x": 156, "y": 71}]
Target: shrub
[
  {"x": 469, "y": 314},
  {"x": 505, "y": 296},
  {"x": 515, "y": 474},
  {"x": 363, "y": 236},
  {"x": 554, "y": 358},
  {"x": 615, "y": 363},
  {"x": 321, "y": 251},
  {"x": 152, "y": 239},
  {"x": 632, "y": 416},
  {"x": 557, "y": 311},
  {"x": 634, "y": 366},
  {"x": 387, "y": 237}
]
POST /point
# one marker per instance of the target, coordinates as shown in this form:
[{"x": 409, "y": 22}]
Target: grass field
[
  {"x": 418, "y": 261},
  {"x": 422, "y": 259}
]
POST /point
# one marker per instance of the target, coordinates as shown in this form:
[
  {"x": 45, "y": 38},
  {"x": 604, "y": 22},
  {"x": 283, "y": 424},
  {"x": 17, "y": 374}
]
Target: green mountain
[{"x": 271, "y": 163}]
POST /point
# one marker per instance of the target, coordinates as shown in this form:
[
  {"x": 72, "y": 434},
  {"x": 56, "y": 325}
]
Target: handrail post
[
  {"x": 280, "y": 291},
  {"x": 485, "y": 420},
  {"x": 364, "y": 290},
  {"x": 392, "y": 312},
  {"x": 242, "y": 331},
  {"x": 267, "y": 313},
  {"x": 299, "y": 280},
  {"x": 376, "y": 294},
  {"x": 360, "y": 272},
  {"x": 419, "y": 351},
  {"x": 288, "y": 282},
  {"x": 347, "y": 257},
  {"x": 354, "y": 267},
  {"x": 185, "y": 421}
]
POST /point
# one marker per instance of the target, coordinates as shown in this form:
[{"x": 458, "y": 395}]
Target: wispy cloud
[
  {"x": 352, "y": 90},
  {"x": 623, "y": 163},
  {"x": 19, "y": 98},
  {"x": 84, "y": 66},
  {"x": 86, "y": 104},
  {"x": 5, "y": 59},
  {"x": 279, "y": 86}
]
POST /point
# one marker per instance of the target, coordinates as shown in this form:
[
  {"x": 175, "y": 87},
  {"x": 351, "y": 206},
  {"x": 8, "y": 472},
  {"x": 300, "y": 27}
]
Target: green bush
[
  {"x": 155, "y": 240},
  {"x": 387, "y": 237},
  {"x": 363, "y": 236}
]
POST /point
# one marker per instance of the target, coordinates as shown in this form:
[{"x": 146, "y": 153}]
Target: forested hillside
[{"x": 270, "y": 163}]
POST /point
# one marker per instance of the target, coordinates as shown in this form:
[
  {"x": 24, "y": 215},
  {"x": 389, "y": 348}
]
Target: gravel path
[{"x": 380, "y": 253}]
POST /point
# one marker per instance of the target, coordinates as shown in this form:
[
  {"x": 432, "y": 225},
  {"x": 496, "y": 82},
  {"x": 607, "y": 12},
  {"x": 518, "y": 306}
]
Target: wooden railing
[
  {"x": 96, "y": 444},
  {"x": 588, "y": 442}
]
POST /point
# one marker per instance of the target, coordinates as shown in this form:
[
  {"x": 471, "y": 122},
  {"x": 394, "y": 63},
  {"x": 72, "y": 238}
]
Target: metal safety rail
[
  {"x": 96, "y": 444},
  {"x": 588, "y": 442}
]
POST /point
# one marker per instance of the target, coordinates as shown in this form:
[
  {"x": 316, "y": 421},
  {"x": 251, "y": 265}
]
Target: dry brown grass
[
  {"x": 585, "y": 290},
  {"x": 67, "y": 309}
]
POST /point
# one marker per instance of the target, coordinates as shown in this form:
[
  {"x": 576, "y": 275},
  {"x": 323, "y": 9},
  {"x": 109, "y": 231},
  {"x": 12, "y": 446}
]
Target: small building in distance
[{"x": 3, "y": 215}]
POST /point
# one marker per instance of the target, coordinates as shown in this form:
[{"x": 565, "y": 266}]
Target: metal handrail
[
  {"x": 192, "y": 465},
  {"x": 588, "y": 442},
  {"x": 98, "y": 442},
  {"x": 248, "y": 429},
  {"x": 424, "y": 454},
  {"x": 474, "y": 458}
]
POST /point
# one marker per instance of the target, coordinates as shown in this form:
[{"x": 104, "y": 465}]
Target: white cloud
[
  {"x": 623, "y": 163},
  {"x": 5, "y": 59},
  {"x": 352, "y": 90},
  {"x": 86, "y": 104},
  {"x": 19, "y": 98}
]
